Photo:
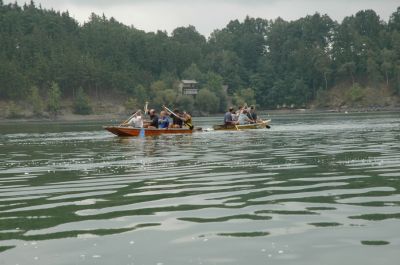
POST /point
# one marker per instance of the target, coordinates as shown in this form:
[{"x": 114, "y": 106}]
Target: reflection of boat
[
  {"x": 258, "y": 125},
  {"x": 131, "y": 131}
]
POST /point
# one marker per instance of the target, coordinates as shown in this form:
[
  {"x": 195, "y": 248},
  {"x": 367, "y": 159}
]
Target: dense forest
[{"x": 47, "y": 56}]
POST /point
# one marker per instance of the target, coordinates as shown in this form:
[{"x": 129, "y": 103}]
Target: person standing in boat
[
  {"x": 163, "y": 122},
  {"x": 228, "y": 117},
  {"x": 252, "y": 114}
]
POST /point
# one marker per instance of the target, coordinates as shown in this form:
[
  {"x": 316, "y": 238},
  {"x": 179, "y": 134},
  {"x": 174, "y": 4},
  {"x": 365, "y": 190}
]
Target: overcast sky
[{"x": 207, "y": 15}]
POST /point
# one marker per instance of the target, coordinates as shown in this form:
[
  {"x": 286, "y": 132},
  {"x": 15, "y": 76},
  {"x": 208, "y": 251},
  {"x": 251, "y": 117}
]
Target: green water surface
[{"x": 314, "y": 189}]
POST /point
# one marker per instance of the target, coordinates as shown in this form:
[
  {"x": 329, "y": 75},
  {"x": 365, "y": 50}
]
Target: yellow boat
[{"x": 251, "y": 126}]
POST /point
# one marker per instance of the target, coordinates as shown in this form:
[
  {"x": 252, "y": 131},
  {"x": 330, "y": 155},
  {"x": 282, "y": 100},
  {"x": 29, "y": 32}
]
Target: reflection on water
[{"x": 312, "y": 188}]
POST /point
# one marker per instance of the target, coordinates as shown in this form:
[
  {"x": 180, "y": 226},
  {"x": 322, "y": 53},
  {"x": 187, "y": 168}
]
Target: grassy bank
[
  {"x": 355, "y": 97},
  {"x": 120, "y": 114}
]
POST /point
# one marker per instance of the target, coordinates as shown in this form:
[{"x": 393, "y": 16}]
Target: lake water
[{"x": 314, "y": 189}]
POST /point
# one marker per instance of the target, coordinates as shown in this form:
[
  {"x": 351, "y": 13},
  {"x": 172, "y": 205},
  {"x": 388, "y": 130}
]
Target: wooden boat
[
  {"x": 258, "y": 125},
  {"x": 132, "y": 131}
]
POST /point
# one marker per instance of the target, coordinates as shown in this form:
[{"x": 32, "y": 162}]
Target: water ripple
[{"x": 329, "y": 180}]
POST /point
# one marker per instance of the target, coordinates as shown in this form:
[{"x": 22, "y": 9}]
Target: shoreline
[{"x": 114, "y": 117}]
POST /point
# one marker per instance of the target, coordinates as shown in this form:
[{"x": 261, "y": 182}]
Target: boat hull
[
  {"x": 258, "y": 125},
  {"x": 130, "y": 131}
]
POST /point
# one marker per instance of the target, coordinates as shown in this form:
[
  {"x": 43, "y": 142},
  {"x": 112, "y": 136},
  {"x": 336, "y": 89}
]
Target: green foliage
[
  {"x": 192, "y": 73},
  {"x": 156, "y": 88},
  {"x": 36, "y": 101},
  {"x": 214, "y": 82},
  {"x": 131, "y": 105},
  {"x": 165, "y": 97},
  {"x": 81, "y": 103},
  {"x": 54, "y": 99},
  {"x": 207, "y": 101},
  {"x": 185, "y": 102},
  {"x": 244, "y": 97},
  {"x": 140, "y": 94},
  {"x": 283, "y": 62},
  {"x": 354, "y": 94},
  {"x": 13, "y": 84},
  {"x": 14, "y": 111}
]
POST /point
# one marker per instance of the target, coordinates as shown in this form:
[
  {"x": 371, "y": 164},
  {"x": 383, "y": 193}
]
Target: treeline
[{"x": 267, "y": 62}]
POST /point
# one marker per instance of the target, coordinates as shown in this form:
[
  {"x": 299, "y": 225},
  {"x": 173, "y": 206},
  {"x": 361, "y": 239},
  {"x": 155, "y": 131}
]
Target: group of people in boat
[
  {"x": 177, "y": 119},
  {"x": 242, "y": 116},
  {"x": 166, "y": 119}
]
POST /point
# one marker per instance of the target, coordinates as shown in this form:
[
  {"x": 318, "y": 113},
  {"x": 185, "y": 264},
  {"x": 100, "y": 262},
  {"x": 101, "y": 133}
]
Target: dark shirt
[
  {"x": 154, "y": 121},
  {"x": 228, "y": 118},
  {"x": 176, "y": 120},
  {"x": 252, "y": 116}
]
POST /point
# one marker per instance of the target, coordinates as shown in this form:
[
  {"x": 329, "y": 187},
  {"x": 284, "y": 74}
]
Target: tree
[
  {"x": 244, "y": 97},
  {"x": 207, "y": 101},
  {"x": 13, "y": 84},
  {"x": 53, "y": 99},
  {"x": 394, "y": 21},
  {"x": 214, "y": 83},
  {"x": 165, "y": 97},
  {"x": 141, "y": 95},
  {"x": 192, "y": 73},
  {"x": 81, "y": 103},
  {"x": 185, "y": 102},
  {"x": 156, "y": 88},
  {"x": 36, "y": 102},
  {"x": 283, "y": 62},
  {"x": 349, "y": 68},
  {"x": 388, "y": 61},
  {"x": 373, "y": 71}
]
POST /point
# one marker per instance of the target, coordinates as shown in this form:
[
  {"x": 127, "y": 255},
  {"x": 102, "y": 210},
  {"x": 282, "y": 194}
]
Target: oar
[
  {"x": 176, "y": 115},
  {"x": 142, "y": 133},
  {"x": 267, "y": 126},
  {"x": 173, "y": 113},
  {"x": 129, "y": 119}
]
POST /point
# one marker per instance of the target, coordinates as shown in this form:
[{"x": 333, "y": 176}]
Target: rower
[
  {"x": 177, "y": 120},
  {"x": 153, "y": 119},
  {"x": 252, "y": 114},
  {"x": 228, "y": 117},
  {"x": 243, "y": 119},
  {"x": 187, "y": 120},
  {"x": 136, "y": 121},
  {"x": 163, "y": 122}
]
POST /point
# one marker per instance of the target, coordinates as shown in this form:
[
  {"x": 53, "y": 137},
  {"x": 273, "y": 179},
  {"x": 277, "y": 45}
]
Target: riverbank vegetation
[{"x": 49, "y": 62}]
